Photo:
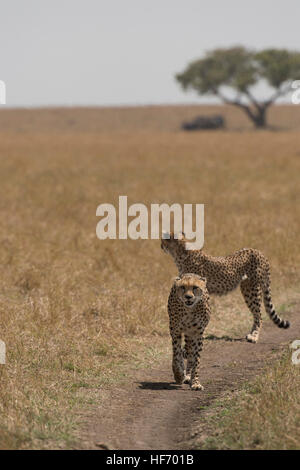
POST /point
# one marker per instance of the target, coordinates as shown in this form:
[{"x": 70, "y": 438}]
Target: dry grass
[
  {"x": 72, "y": 307},
  {"x": 265, "y": 415}
]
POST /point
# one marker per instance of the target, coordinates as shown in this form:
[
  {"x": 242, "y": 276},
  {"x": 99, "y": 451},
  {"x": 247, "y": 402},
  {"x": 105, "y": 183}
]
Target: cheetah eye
[
  {"x": 195, "y": 289},
  {"x": 182, "y": 288}
]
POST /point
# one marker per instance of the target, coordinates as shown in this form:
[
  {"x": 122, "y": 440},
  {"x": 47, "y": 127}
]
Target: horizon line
[{"x": 4, "y": 107}]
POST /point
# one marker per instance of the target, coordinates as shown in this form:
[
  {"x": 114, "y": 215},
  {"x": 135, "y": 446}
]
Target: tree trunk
[
  {"x": 260, "y": 119},
  {"x": 257, "y": 115}
]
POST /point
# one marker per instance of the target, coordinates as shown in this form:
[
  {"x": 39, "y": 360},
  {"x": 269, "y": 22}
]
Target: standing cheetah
[
  {"x": 247, "y": 267},
  {"x": 188, "y": 308}
]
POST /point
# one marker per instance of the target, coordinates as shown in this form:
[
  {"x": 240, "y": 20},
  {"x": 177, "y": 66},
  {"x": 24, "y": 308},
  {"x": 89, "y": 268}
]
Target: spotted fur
[
  {"x": 189, "y": 312},
  {"x": 248, "y": 268}
]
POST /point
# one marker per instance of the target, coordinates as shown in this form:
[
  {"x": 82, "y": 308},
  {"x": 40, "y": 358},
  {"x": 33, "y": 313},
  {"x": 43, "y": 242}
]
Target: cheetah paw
[
  {"x": 187, "y": 379},
  {"x": 197, "y": 386},
  {"x": 252, "y": 338}
]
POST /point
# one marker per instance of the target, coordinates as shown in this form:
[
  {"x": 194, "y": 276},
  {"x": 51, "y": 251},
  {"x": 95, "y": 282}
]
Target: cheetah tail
[{"x": 271, "y": 311}]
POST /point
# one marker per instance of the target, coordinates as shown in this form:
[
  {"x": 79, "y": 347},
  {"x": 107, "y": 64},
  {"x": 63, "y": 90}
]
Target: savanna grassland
[
  {"x": 74, "y": 309},
  {"x": 264, "y": 414}
]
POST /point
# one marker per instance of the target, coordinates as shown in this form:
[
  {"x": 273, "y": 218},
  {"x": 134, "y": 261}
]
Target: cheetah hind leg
[{"x": 253, "y": 297}]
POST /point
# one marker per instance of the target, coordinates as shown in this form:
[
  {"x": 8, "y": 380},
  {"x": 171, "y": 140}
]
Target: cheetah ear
[
  {"x": 176, "y": 279},
  {"x": 181, "y": 235}
]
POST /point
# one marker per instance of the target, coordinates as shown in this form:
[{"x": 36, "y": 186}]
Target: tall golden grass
[
  {"x": 73, "y": 307},
  {"x": 263, "y": 415}
]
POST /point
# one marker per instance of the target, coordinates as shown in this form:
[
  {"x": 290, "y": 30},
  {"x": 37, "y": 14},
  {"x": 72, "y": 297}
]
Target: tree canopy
[{"x": 241, "y": 69}]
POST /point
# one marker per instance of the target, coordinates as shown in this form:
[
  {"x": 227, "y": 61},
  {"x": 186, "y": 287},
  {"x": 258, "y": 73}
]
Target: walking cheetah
[
  {"x": 247, "y": 267},
  {"x": 188, "y": 308}
]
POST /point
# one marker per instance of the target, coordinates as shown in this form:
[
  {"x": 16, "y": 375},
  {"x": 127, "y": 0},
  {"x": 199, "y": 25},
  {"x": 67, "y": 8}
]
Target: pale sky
[{"x": 126, "y": 52}]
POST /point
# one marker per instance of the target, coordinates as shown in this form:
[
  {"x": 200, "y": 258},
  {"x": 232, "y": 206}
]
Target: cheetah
[
  {"x": 247, "y": 267},
  {"x": 189, "y": 313}
]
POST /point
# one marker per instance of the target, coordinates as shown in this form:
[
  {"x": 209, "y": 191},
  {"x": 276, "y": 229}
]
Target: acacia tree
[{"x": 241, "y": 69}]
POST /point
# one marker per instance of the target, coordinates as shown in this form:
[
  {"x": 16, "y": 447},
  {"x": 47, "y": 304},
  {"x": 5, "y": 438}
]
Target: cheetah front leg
[
  {"x": 194, "y": 360},
  {"x": 253, "y": 298},
  {"x": 177, "y": 363},
  {"x": 189, "y": 355}
]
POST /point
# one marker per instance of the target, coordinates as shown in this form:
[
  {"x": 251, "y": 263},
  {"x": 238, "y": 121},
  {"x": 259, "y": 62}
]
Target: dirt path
[{"x": 152, "y": 412}]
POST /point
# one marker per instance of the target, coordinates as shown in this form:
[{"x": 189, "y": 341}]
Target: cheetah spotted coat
[
  {"x": 248, "y": 268},
  {"x": 189, "y": 313}
]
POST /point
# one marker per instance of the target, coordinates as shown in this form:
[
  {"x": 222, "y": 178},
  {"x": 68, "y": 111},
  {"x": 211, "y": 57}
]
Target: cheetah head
[
  {"x": 190, "y": 288},
  {"x": 173, "y": 243}
]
